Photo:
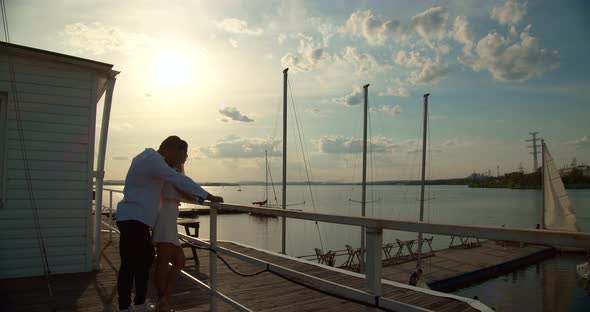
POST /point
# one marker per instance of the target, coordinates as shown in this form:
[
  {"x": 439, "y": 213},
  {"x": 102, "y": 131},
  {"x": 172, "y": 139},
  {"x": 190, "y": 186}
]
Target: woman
[{"x": 165, "y": 236}]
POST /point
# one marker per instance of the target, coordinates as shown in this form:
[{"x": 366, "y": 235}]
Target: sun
[{"x": 172, "y": 69}]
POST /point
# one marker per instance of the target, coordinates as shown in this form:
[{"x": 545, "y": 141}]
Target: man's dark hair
[{"x": 173, "y": 142}]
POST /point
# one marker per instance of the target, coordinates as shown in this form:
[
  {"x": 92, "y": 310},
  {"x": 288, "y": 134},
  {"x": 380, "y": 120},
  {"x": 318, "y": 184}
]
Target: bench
[{"x": 191, "y": 228}]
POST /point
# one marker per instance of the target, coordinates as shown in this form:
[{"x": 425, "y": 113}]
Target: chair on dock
[
  {"x": 464, "y": 242},
  {"x": 353, "y": 257},
  {"x": 409, "y": 245},
  {"x": 327, "y": 258},
  {"x": 390, "y": 256},
  {"x": 428, "y": 242},
  {"x": 191, "y": 224}
]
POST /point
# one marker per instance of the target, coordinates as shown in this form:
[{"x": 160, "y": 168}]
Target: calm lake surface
[{"x": 552, "y": 285}]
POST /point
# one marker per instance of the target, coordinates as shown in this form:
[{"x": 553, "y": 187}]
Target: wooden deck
[
  {"x": 96, "y": 291},
  {"x": 455, "y": 268}
]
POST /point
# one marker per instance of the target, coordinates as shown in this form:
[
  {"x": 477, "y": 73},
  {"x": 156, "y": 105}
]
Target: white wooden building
[{"x": 48, "y": 108}]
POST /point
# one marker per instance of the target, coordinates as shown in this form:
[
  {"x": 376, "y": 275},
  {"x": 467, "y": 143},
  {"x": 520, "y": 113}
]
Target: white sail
[{"x": 558, "y": 213}]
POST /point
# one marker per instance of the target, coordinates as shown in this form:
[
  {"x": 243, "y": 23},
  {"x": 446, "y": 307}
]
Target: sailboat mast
[
  {"x": 542, "y": 223},
  {"x": 266, "y": 176},
  {"x": 364, "y": 183},
  {"x": 284, "y": 199},
  {"x": 424, "y": 132}
]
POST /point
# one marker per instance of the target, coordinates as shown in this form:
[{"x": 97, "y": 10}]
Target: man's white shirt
[{"x": 143, "y": 186}]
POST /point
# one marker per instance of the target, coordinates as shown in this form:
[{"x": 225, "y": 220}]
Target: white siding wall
[{"x": 57, "y": 110}]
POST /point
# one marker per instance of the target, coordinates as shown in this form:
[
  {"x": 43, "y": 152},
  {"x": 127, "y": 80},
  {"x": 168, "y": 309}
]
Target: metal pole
[
  {"x": 266, "y": 176},
  {"x": 542, "y": 224},
  {"x": 425, "y": 127},
  {"x": 284, "y": 199},
  {"x": 110, "y": 216},
  {"x": 213, "y": 254},
  {"x": 364, "y": 183}
]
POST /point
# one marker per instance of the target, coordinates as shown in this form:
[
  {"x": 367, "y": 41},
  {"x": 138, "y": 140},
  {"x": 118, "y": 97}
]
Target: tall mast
[
  {"x": 425, "y": 127},
  {"x": 364, "y": 184},
  {"x": 266, "y": 176},
  {"x": 284, "y": 199},
  {"x": 542, "y": 224}
]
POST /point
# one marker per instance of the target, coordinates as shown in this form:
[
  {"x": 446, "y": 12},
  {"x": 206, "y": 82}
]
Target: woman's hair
[
  {"x": 173, "y": 142},
  {"x": 179, "y": 168}
]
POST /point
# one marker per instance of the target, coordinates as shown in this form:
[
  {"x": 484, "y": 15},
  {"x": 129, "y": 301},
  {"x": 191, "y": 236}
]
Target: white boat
[{"x": 557, "y": 208}]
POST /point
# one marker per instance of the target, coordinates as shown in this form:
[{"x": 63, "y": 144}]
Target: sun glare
[{"x": 172, "y": 69}]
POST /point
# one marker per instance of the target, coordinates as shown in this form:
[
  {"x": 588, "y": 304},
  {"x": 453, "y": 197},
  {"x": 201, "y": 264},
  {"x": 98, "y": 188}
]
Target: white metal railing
[{"x": 374, "y": 230}]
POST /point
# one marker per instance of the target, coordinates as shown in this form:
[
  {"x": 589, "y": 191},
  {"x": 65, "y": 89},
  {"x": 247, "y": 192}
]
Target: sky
[{"x": 211, "y": 73}]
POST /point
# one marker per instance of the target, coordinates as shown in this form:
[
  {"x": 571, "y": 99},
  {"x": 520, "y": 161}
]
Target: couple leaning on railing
[{"x": 154, "y": 186}]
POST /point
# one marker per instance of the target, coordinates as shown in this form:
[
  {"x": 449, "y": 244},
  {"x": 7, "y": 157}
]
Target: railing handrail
[{"x": 543, "y": 237}]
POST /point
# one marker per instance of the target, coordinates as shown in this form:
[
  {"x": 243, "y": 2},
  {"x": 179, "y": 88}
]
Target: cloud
[
  {"x": 368, "y": 26},
  {"x": 120, "y": 158},
  {"x": 342, "y": 145},
  {"x": 233, "y": 43},
  {"x": 386, "y": 109},
  {"x": 97, "y": 38},
  {"x": 510, "y": 13},
  {"x": 121, "y": 126},
  {"x": 583, "y": 142},
  {"x": 395, "y": 91},
  {"x": 356, "y": 97},
  {"x": 238, "y": 27},
  {"x": 281, "y": 38},
  {"x": 518, "y": 61},
  {"x": 309, "y": 55},
  {"x": 431, "y": 72},
  {"x": 411, "y": 59},
  {"x": 236, "y": 147},
  {"x": 364, "y": 63},
  {"x": 314, "y": 111},
  {"x": 431, "y": 24},
  {"x": 462, "y": 33},
  {"x": 234, "y": 114}
]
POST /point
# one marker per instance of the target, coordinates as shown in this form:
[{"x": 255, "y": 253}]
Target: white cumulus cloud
[
  {"x": 234, "y": 114},
  {"x": 238, "y": 27},
  {"x": 431, "y": 71},
  {"x": 520, "y": 61},
  {"x": 462, "y": 33},
  {"x": 309, "y": 55},
  {"x": 97, "y": 38},
  {"x": 431, "y": 24},
  {"x": 236, "y": 147},
  {"x": 356, "y": 97},
  {"x": 395, "y": 91},
  {"x": 510, "y": 13},
  {"x": 386, "y": 109},
  {"x": 370, "y": 27},
  {"x": 342, "y": 145},
  {"x": 364, "y": 63}
]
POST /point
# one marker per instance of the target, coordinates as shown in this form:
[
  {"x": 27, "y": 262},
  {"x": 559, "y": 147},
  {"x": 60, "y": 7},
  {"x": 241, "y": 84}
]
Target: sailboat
[{"x": 557, "y": 208}]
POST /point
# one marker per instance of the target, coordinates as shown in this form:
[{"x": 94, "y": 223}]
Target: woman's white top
[{"x": 166, "y": 229}]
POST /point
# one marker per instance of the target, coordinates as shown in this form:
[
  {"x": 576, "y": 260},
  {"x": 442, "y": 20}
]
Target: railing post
[
  {"x": 213, "y": 253},
  {"x": 373, "y": 265},
  {"x": 110, "y": 216}
]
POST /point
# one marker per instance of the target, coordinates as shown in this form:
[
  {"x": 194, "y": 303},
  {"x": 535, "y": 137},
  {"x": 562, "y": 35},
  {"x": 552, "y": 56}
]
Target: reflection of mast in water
[{"x": 558, "y": 295}]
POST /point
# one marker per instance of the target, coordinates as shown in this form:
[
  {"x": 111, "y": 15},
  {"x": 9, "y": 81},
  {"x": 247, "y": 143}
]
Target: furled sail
[{"x": 558, "y": 213}]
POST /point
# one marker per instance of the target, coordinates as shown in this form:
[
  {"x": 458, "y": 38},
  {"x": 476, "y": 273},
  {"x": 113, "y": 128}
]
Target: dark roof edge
[{"x": 57, "y": 56}]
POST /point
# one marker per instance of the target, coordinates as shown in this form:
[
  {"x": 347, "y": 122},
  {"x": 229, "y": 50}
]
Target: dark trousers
[{"x": 137, "y": 254}]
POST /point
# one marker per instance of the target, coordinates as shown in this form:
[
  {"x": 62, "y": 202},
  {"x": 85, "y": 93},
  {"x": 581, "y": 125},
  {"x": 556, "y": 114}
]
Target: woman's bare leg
[
  {"x": 178, "y": 261},
  {"x": 163, "y": 270}
]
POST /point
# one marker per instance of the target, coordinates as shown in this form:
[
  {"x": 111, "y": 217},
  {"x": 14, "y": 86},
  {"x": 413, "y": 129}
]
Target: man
[
  {"x": 415, "y": 277},
  {"x": 137, "y": 213}
]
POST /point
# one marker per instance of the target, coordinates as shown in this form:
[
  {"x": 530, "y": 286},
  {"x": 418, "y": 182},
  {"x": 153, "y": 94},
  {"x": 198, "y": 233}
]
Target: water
[{"x": 550, "y": 284}]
